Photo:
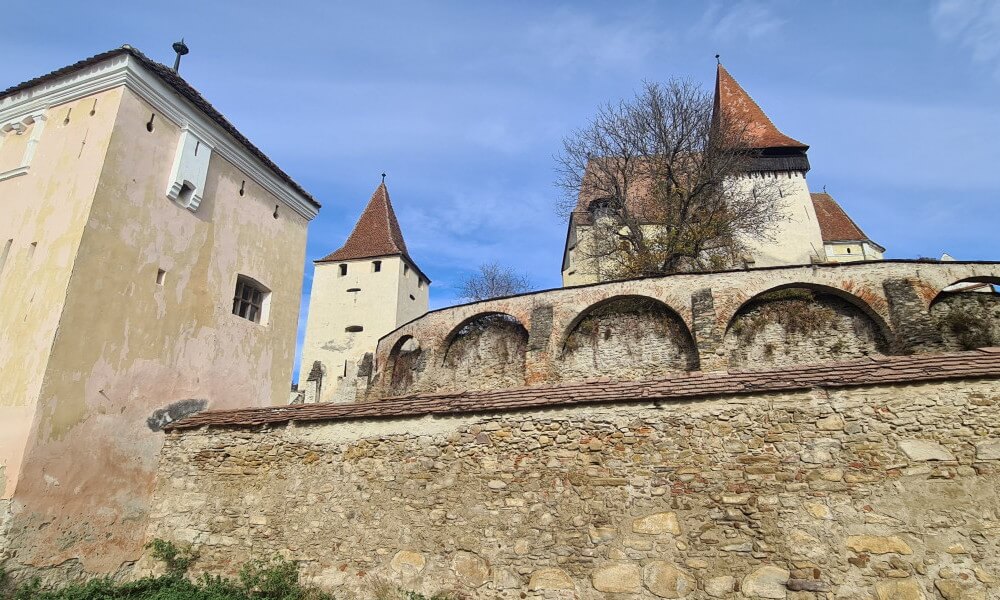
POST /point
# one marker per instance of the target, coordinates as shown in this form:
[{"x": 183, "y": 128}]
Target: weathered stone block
[
  {"x": 876, "y": 544},
  {"x": 408, "y": 563},
  {"x": 622, "y": 578},
  {"x": 766, "y": 582},
  {"x": 988, "y": 450},
  {"x": 900, "y": 589},
  {"x": 657, "y": 524},
  {"x": 667, "y": 581},
  {"x": 924, "y": 450},
  {"x": 550, "y": 579}
]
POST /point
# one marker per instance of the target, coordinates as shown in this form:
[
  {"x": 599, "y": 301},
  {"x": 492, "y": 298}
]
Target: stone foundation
[{"x": 889, "y": 491}]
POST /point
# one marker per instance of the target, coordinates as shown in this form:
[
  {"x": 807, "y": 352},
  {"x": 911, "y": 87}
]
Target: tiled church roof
[
  {"x": 880, "y": 370},
  {"x": 734, "y": 105},
  {"x": 376, "y": 233},
  {"x": 834, "y": 224}
]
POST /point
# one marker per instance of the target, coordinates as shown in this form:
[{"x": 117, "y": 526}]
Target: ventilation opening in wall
[
  {"x": 343, "y": 270},
  {"x": 353, "y": 289},
  {"x": 149, "y": 125},
  {"x": 31, "y": 250},
  {"x": 354, "y": 328},
  {"x": 186, "y": 193},
  {"x": 4, "y": 253},
  {"x": 161, "y": 276},
  {"x": 376, "y": 265},
  {"x": 243, "y": 187},
  {"x": 68, "y": 113},
  {"x": 275, "y": 215},
  {"x": 411, "y": 297}
]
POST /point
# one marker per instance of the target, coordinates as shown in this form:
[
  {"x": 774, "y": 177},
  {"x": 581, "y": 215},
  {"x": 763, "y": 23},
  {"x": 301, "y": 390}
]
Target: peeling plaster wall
[
  {"x": 128, "y": 347},
  {"x": 870, "y": 492},
  {"x": 47, "y": 206}
]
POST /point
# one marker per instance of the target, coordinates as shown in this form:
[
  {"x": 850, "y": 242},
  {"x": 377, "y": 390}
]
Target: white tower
[{"x": 364, "y": 290}]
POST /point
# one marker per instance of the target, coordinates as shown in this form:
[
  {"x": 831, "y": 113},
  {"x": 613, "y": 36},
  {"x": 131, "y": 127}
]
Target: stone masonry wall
[
  {"x": 883, "y": 308},
  {"x": 879, "y": 492},
  {"x": 968, "y": 320},
  {"x": 811, "y": 328}
]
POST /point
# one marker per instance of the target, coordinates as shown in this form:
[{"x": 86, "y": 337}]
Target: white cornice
[{"x": 126, "y": 70}]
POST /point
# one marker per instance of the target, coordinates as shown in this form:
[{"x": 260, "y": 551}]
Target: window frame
[{"x": 251, "y": 300}]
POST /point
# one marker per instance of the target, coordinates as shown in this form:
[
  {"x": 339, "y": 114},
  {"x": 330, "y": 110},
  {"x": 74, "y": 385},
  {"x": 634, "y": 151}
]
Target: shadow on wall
[
  {"x": 799, "y": 325},
  {"x": 968, "y": 315},
  {"x": 628, "y": 337}
]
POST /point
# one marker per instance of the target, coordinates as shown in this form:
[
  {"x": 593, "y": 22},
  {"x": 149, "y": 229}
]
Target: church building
[
  {"x": 813, "y": 229},
  {"x": 362, "y": 291}
]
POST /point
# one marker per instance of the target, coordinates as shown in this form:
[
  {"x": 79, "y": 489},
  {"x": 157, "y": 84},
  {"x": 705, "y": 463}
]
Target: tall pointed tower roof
[
  {"x": 734, "y": 105},
  {"x": 376, "y": 233}
]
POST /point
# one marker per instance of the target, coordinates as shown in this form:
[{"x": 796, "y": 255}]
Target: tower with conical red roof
[
  {"x": 797, "y": 239},
  {"x": 360, "y": 292}
]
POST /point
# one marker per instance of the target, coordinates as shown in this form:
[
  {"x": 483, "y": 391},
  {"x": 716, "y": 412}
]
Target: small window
[
  {"x": 848, "y": 250},
  {"x": 411, "y": 297},
  {"x": 406, "y": 270},
  {"x": 420, "y": 283},
  {"x": 353, "y": 289},
  {"x": 249, "y": 299},
  {"x": 161, "y": 276},
  {"x": 376, "y": 265},
  {"x": 343, "y": 270},
  {"x": 354, "y": 328}
]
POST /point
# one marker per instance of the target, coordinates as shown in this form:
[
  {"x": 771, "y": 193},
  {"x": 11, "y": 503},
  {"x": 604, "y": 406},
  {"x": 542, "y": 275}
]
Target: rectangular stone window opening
[
  {"x": 251, "y": 300},
  {"x": 161, "y": 276},
  {"x": 343, "y": 270},
  {"x": 376, "y": 266}
]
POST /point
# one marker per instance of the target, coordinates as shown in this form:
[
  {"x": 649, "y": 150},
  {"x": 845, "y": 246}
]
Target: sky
[{"x": 464, "y": 104}]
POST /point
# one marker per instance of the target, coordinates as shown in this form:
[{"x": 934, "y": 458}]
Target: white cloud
[
  {"x": 974, "y": 25},
  {"x": 746, "y": 20}
]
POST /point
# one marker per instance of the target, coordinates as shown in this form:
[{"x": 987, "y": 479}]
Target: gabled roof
[
  {"x": 734, "y": 105},
  {"x": 834, "y": 224},
  {"x": 377, "y": 233},
  {"x": 173, "y": 80}
]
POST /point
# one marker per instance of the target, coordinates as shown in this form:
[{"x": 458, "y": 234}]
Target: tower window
[
  {"x": 250, "y": 299},
  {"x": 376, "y": 265},
  {"x": 406, "y": 270},
  {"x": 343, "y": 270}
]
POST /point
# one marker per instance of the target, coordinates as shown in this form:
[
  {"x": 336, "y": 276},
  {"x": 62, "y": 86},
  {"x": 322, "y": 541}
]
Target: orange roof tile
[
  {"x": 376, "y": 233},
  {"x": 734, "y": 105},
  {"x": 834, "y": 224}
]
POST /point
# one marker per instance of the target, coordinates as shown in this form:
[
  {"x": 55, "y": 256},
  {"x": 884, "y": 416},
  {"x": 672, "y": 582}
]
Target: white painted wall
[{"x": 381, "y": 303}]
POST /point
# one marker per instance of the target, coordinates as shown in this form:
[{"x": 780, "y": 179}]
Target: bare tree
[
  {"x": 493, "y": 281},
  {"x": 663, "y": 188}
]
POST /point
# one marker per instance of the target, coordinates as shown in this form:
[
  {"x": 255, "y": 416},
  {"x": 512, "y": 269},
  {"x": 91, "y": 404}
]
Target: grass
[{"x": 275, "y": 579}]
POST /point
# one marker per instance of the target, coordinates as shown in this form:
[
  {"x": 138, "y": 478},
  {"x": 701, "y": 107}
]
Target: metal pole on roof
[{"x": 181, "y": 49}]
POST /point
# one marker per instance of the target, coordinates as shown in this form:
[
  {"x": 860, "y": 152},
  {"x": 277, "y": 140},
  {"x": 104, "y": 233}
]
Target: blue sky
[{"x": 464, "y": 104}]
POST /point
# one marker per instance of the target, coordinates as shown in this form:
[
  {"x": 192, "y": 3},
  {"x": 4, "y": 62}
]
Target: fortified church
[{"x": 821, "y": 424}]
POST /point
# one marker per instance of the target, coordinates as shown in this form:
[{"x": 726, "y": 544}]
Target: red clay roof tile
[
  {"x": 376, "y": 233},
  {"x": 734, "y": 105},
  {"x": 884, "y": 370},
  {"x": 834, "y": 224}
]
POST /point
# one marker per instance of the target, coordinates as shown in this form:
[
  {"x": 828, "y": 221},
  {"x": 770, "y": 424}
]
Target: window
[
  {"x": 406, "y": 270},
  {"x": 343, "y": 270},
  {"x": 420, "y": 283},
  {"x": 354, "y": 328},
  {"x": 161, "y": 276},
  {"x": 376, "y": 265},
  {"x": 250, "y": 300}
]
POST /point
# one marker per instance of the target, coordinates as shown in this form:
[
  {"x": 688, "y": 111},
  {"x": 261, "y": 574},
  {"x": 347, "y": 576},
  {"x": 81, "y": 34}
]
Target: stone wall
[
  {"x": 797, "y": 326},
  {"x": 968, "y": 320},
  {"x": 865, "y": 309},
  {"x": 889, "y": 491}
]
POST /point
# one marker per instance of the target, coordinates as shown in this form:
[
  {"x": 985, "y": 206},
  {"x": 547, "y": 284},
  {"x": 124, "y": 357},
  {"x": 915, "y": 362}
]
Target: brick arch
[
  {"x": 844, "y": 293},
  {"x": 815, "y": 323},
  {"x": 967, "y": 319},
  {"x": 485, "y": 351},
  {"x": 403, "y": 365},
  {"x": 629, "y": 336}
]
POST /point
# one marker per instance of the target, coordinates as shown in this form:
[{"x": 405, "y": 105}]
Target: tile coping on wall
[{"x": 984, "y": 362}]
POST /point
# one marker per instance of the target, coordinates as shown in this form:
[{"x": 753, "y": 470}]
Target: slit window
[
  {"x": 354, "y": 329},
  {"x": 343, "y": 270},
  {"x": 376, "y": 265},
  {"x": 250, "y": 299},
  {"x": 161, "y": 276}
]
